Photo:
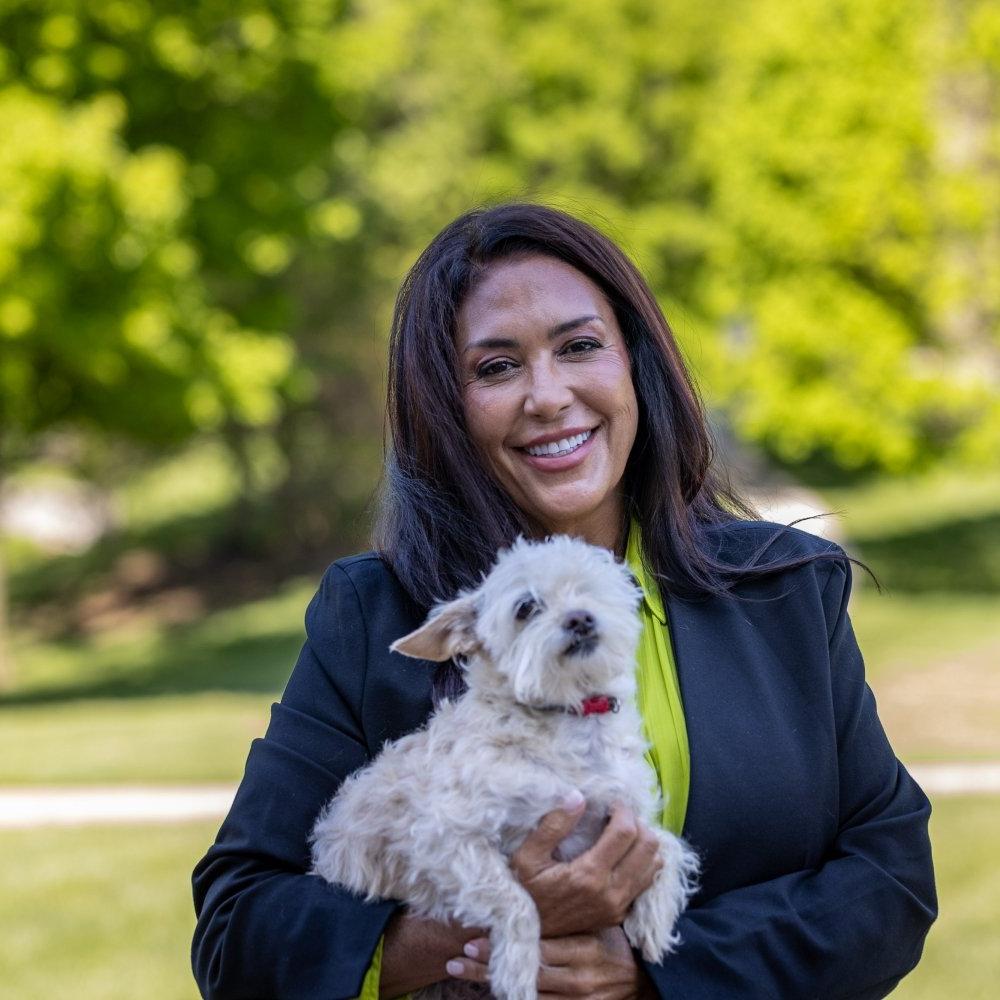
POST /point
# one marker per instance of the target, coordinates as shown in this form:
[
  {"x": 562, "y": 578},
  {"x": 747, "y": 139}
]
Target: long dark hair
[{"x": 442, "y": 516}]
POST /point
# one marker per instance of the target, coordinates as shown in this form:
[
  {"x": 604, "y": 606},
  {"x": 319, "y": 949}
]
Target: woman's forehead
[{"x": 529, "y": 290}]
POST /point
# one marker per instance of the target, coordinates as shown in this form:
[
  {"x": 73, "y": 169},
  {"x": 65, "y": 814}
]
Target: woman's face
[{"x": 548, "y": 394}]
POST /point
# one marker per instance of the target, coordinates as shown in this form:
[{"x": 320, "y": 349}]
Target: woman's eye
[
  {"x": 493, "y": 368},
  {"x": 581, "y": 346}
]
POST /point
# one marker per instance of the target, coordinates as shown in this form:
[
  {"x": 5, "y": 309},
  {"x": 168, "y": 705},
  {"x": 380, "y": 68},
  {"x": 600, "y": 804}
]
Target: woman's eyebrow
[
  {"x": 556, "y": 331},
  {"x": 572, "y": 324}
]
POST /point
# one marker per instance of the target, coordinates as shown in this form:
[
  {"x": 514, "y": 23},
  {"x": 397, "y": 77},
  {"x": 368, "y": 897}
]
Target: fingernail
[
  {"x": 454, "y": 967},
  {"x": 471, "y": 950},
  {"x": 573, "y": 801}
]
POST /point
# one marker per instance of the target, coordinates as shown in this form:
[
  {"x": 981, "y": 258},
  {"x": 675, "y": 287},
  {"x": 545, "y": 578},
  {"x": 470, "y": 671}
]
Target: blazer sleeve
[
  {"x": 265, "y": 927},
  {"x": 851, "y": 928}
]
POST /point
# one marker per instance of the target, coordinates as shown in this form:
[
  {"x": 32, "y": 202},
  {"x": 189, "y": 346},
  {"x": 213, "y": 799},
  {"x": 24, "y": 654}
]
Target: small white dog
[{"x": 548, "y": 644}]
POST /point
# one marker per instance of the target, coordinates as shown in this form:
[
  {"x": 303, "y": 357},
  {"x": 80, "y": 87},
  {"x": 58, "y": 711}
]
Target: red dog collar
[{"x": 597, "y": 704}]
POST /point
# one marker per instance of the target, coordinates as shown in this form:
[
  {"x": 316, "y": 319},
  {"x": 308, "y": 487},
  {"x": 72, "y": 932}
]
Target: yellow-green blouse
[
  {"x": 659, "y": 694},
  {"x": 660, "y": 706}
]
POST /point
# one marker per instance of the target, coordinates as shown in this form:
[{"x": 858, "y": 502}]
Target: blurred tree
[
  {"x": 106, "y": 322},
  {"x": 854, "y": 284},
  {"x": 75, "y": 346},
  {"x": 207, "y": 209},
  {"x": 786, "y": 176},
  {"x": 229, "y": 92},
  {"x": 963, "y": 290},
  {"x": 810, "y": 188}
]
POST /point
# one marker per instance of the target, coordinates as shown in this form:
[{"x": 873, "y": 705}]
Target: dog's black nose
[{"x": 580, "y": 624}]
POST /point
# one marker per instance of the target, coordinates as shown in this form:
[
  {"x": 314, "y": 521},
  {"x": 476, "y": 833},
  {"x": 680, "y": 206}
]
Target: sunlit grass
[
  {"x": 105, "y": 913},
  {"x": 888, "y": 506},
  {"x": 168, "y": 739},
  {"x": 900, "y": 632},
  {"x": 200, "y": 479},
  {"x": 962, "y": 954},
  {"x": 99, "y": 913},
  {"x": 931, "y": 638},
  {"x": 143, "y": 703},
  {"x": 247, "y": 647}
]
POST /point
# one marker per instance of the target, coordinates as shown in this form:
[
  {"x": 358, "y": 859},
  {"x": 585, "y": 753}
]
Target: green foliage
[
  {"x": 75, "y": 345},
  {"x": 112, "y": 315},
  {"x": 853, "y": 317},
  {"x": 783, "y": 174},
  {"x": 206, "y": 205},
  {"x": 590, "y": 106}
]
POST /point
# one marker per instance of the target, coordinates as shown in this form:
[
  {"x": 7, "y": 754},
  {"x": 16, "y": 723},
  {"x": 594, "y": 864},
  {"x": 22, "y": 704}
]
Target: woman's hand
[
  {"x": 598, "y": 965},
  {"x": 595, "y": 890},
  {"x": 580, "y": 898},
  {"x": 416, "y": 951}
]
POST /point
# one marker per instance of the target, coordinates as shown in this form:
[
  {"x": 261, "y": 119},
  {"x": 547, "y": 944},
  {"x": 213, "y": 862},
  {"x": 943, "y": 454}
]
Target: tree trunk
[
  {"x": 967, "y": 104},
  {"x": 6, "y": 656}
]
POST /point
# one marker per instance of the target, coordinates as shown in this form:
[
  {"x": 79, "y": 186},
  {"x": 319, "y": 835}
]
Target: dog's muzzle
[
  {"x": 582, "y": 629},
  {"x": 579, "y": 623},
  {"x": 581, "y": 647}
]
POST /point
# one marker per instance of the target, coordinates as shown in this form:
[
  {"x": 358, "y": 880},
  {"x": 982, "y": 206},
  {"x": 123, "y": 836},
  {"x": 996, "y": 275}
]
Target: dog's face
[{"x": 555, "y": 621}]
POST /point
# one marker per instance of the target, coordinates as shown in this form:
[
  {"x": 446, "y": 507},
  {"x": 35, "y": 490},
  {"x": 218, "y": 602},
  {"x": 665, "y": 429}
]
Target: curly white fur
[{"x": 434, "y": 818}]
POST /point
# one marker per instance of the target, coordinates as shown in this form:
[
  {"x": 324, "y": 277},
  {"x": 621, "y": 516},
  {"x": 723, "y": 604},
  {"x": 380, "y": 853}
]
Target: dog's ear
[{"x": 449, "y": 631}]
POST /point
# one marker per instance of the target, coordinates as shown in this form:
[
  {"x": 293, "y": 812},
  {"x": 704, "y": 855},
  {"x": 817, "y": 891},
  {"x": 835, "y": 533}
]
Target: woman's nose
[{"x": 548, "y": 394}]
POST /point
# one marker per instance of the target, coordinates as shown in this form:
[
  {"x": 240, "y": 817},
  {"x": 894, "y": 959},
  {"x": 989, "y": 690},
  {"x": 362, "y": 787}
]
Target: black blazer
[{"x": 817, "y": 877}]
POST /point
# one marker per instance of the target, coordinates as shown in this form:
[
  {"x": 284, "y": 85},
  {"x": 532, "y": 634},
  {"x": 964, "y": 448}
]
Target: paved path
[{"x": 71, "y": 806}]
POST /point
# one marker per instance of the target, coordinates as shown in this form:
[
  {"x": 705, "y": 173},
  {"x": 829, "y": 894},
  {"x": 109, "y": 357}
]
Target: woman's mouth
[
  {"x": 565, "y": 446},
  {"x": 558, "y": 456}
]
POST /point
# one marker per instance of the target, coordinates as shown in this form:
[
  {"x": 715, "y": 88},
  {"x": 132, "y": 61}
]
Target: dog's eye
[{"x": 526, "y": 608}]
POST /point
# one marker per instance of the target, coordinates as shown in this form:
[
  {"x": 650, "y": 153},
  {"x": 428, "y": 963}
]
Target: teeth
[{"x": 563, "y": 447}]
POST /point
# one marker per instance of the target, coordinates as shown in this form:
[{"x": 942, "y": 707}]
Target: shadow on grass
[
  {"x": 186, "y": 540},
  {"x": 183, "y": 665},
  {"x": 960, "y": 556},
  {"x": 230, "y": 555}
]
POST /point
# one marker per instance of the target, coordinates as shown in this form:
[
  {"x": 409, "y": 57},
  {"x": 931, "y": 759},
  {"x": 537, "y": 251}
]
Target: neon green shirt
[
  {"x": 659, "y": 694},
  {"x": 659, "y": 697},
  {"x": 369, "y": 988}
]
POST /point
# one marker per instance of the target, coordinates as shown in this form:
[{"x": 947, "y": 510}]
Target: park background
[{"x": 205, "y": 211}]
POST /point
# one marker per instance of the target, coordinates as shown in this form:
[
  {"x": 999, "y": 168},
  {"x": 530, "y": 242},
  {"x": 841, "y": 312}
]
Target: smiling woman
[
  {"x": 520, "y": 326},
  {"x": 535, "y": 388},
  {"x": 548, "y": 397}
]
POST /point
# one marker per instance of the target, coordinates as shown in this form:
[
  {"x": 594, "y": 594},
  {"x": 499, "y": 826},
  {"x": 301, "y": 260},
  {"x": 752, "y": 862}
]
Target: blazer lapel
[
  {"x": 692, "y": 644},
  {"x": 715, "y": 651}
]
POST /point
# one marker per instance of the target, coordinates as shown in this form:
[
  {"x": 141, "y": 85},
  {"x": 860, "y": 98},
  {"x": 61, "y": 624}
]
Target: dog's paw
[
  {"x": 651, "y": 923},
  {"x": 513, "y": 970},
  {"x": 648, "y": 932}
]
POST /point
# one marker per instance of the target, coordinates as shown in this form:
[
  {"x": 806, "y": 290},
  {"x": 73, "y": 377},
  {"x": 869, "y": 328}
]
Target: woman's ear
[{"x": 450, "y": 630}]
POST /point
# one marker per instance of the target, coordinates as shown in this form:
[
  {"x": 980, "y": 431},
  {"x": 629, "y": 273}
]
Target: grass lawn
[
  {"x": 962, "y": 954},
  {"x": 183, "y": 704},
  {"x": 166, "y": 738},
  {"x": 149, "y": 703},
  {"x": 142, "y": 700},
  {"x": 931, "y": 640},
  {"x": 99, "y": 913},
  {"x": 105, "y": 913}
]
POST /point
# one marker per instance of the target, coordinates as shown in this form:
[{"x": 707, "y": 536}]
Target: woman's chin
[{"x": 570, "y": 515}]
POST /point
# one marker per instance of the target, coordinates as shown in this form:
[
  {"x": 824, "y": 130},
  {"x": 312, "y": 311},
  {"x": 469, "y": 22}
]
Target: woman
[{"x": 535, "y": 388}]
